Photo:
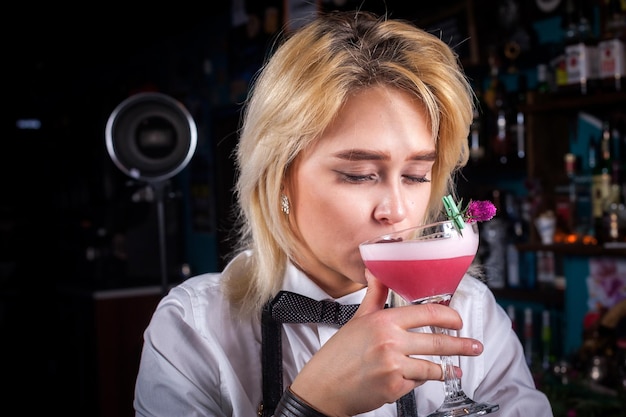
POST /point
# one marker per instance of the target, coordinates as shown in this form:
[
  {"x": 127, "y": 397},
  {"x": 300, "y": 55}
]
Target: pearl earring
[{"x": 284, "y": 204}]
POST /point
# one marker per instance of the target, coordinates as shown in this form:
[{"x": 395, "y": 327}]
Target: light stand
[{"x": 151, "y": 137}]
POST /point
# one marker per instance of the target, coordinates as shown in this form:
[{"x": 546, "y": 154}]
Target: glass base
[{"x": 464, "y": 407}]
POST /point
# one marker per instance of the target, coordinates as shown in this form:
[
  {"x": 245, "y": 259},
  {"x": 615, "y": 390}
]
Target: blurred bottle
[
  {"x": 500, "y": 140},
  {"x": 546, "y": 271},
  {"x": 477, "y": 149},
  {"x": 493, "y": 236},
  {"x": 583, "y": 224},
  {"x": 519, "y": 128},
  {"x": 614, "y": 220},
  {"x": 592, "y": 153},
  {"x": 498, "y": 114},
  {"x": 611, "y": 48},
  {"x": 581, "y": 51},
  {"x": 566, "y": 197},
  {"x": 601, "y": 182},
  {"x": 516, "y": 233},
  {"x": 543, "y": 79}
]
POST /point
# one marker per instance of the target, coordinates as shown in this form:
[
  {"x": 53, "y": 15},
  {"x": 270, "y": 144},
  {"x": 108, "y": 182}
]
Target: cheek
[
  {"x": 317, "y": 205},
  {"x": 420, "y": 205},
  {"x": 324, "y": 214}
]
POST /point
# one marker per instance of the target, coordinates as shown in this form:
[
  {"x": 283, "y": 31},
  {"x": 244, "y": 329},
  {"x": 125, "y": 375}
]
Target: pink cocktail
[{"x": 402, "y": 276}]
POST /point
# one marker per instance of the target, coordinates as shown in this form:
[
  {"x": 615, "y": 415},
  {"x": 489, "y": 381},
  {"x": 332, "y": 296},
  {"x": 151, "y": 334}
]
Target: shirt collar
[{"x": 298, "y": 282}]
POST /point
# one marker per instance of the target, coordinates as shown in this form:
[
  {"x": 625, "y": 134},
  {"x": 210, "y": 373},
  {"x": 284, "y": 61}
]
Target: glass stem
[{"x": 452, "y": 383}]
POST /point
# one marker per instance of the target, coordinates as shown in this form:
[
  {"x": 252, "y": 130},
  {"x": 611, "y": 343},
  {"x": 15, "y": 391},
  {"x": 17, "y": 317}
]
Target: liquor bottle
[
  {"x": 499, "y": 126},
  {"x": 493, "y": 238},
  {"x": 546, "y": 272},
  {"x": 583, "y": 218},
  {"x": 543, "y": 79},
  {"x": 497, "y": 117},
  {"x": 516, "y": 232},
  {"x": 566, "y": 210},
  {"x": 614, "y": 222},
  {"x": 476, "y": 138},
  {"x": 500, "y": 138},
  {"x": 581, "y": 52},
  {"x": 520, "y": 123},
  {"x": 612, "y": 47},
  {"x": 601, "y": 181}
]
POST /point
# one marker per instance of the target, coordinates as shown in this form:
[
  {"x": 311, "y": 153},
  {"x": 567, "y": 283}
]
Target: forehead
[{"x": 372, "y": 115}]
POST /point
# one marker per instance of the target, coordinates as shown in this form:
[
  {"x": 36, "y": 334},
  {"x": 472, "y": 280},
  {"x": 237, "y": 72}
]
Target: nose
[{"x": 391, "y": 208}]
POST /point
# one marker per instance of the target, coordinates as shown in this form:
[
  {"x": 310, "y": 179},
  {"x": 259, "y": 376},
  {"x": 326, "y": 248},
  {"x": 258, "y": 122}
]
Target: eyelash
[{"x": 355, "y": 179}]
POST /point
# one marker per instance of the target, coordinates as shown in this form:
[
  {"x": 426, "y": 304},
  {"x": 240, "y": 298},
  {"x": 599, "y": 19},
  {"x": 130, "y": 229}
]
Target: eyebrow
[{"x": 365, "y": 155}]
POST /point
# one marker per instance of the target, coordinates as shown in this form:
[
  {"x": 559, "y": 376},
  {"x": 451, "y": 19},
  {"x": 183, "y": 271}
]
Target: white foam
[{"x": 451, "y": 247}]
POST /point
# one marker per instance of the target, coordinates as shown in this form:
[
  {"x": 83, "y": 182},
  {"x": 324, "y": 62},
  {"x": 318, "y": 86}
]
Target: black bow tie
[{"x": 289, "y": 307}]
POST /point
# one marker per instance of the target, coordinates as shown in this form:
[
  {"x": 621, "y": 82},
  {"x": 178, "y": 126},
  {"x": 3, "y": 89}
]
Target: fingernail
[{"x": 477, "y": 347}]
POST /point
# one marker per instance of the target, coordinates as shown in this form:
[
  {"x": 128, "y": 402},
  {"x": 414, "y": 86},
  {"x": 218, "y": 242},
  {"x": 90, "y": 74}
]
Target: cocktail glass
[{"x": 425, "y": 264}]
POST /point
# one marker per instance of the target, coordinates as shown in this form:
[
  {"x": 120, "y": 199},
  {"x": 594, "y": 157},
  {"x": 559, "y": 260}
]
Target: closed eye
[
  {"x": 419, "y": 180},
  {"x": 351, "y": 178},
  {"x": 356, "y": 179}
]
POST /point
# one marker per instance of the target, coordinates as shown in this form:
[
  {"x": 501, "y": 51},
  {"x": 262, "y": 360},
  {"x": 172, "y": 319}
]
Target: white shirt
[{"x": 198, "y": 359}]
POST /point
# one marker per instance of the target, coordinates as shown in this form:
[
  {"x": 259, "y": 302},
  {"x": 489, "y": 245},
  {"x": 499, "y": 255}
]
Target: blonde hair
[{"x": 295, "y": 97}]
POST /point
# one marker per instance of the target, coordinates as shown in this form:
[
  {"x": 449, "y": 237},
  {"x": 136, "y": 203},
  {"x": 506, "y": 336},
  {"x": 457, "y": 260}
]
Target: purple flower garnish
[{"x": 480, "y": 211}]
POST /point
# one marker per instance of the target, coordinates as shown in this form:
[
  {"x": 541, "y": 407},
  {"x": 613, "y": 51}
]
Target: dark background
[{"x": 70, "y": 68}]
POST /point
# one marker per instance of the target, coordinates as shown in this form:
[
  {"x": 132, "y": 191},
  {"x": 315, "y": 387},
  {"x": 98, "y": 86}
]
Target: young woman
[{"x": 355, "y": 127}]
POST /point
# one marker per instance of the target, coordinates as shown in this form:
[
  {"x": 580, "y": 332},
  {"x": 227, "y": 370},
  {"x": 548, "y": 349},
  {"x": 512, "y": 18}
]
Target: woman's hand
[{"x": 367, "y": 362}]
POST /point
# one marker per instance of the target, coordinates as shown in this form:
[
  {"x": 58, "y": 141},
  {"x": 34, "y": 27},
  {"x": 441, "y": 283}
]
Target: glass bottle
[
  {"x": 581, "y": 52},
  {"x": 601, "y": 181},
  {"x": 520, "y": 123},
  {"x": 614, "y": 223},
  {"x": 572, "y": 194},
  {"x": 612, "y": 49},
  {"x": 543, "y": 79},
  {"x": 499, "y": 128},
  {"x": 493, "y": 237},
  {"x": 476, "y": 137}
]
